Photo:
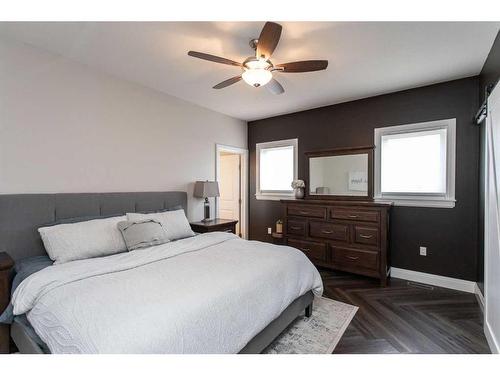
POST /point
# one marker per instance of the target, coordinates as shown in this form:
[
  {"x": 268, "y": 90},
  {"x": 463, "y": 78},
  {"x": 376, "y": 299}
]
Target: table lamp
[{"x": 206, "y": 189}]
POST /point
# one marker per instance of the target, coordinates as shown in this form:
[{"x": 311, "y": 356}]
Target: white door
[
  {"x": 229, "y": 188},
  {"x": 492, "y": 222}
]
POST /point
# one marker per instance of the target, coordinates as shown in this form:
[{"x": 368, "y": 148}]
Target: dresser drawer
[
  {"x": 356, "y": 258},
  {"x": 352, "y": 214},
  {"x": 313, "y": 250},
  {"x": 365, "y": 235},
  {"x": 297, "y": 227},
  {"x": 339, "y": 232},
  {"x": 307, "y": 211}
]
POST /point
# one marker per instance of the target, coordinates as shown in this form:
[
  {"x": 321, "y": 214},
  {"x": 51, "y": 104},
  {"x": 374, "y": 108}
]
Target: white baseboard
[
  {"x": 436, "y": 280},
  {"x": 492, "y": 342},
  {"x": 450, "y": 283},
  {"x": 480, "y": 297}
]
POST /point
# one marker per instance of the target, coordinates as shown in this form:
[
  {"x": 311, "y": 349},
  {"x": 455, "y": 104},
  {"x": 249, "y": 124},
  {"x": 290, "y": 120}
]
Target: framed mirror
[{"x": 345, "y": 173}]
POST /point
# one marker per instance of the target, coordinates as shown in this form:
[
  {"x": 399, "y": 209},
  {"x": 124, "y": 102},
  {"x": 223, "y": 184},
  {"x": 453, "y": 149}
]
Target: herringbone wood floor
[{"x": 406, "y": 317}]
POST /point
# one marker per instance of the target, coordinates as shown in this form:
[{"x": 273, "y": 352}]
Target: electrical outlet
[
  {"x": 269, "y": 230},
  {"x": 423, "y": 251}
]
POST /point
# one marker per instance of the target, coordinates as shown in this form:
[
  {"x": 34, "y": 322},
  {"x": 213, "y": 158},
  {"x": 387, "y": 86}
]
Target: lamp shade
[{"x": 206, "y": 189}]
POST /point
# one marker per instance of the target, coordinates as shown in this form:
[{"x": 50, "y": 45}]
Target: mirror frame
[{"x": 368, "y": 150}]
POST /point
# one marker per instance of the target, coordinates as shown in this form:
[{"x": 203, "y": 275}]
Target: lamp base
[{"x": 206, "y": 210}]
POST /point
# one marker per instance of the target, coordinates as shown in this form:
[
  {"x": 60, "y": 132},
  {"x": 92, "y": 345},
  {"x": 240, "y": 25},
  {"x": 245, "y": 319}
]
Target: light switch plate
[{"x": 423, "y": 251}]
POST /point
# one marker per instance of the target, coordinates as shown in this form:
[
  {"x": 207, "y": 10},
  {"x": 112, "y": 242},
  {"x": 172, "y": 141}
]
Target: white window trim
[
  {"x": 446, "y": 200},
  {"x": 275, "y": 195}
]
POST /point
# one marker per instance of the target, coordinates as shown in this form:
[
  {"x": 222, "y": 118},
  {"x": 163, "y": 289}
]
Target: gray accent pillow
[
  {"x": 139, "y": 234},
  {"x": 175, "y": 223}
]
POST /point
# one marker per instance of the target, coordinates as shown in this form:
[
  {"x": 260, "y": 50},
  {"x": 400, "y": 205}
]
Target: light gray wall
[{"x": 67, "y": 128}]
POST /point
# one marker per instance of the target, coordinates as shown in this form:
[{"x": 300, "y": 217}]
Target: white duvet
[{"x": 210, "y": 293}]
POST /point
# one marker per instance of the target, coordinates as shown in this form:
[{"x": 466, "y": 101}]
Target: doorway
[{"x": 231, "y": 174}]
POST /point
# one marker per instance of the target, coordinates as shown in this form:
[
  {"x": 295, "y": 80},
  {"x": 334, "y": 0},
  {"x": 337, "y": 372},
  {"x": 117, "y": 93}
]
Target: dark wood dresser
[{"x": 349, "y": 236}]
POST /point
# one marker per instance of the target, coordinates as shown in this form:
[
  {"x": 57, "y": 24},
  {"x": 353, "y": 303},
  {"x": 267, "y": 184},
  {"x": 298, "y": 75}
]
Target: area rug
[{"x": 318, "y": 334}]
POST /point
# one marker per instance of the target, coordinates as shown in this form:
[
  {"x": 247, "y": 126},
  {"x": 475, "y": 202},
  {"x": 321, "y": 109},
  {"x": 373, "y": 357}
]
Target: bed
[{"x": 211, "y": 293}]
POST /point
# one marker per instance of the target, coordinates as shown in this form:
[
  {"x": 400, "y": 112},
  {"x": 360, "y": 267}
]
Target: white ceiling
[{"x": 365, "y": 59}]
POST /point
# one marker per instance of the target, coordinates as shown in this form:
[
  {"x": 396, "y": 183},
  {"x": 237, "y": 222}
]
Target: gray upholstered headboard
[{"x": 22, "y": 214}]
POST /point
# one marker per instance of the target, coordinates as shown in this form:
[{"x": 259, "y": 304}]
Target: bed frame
[{"x": 22, "y": 214}]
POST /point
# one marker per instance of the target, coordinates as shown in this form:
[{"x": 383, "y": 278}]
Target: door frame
[
  {"x": 491, "y": 336},
  {"x": 243, "y": 152}
]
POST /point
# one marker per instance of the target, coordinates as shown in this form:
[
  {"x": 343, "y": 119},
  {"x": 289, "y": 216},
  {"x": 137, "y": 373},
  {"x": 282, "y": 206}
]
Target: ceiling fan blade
[
  {"x": 227, "y": 82},
  {"x": 303, "y": 66},
  {"x": 217, "y": 59},
  {"x": 268, "y": 40},
  {"x": 275, "y": 87}
]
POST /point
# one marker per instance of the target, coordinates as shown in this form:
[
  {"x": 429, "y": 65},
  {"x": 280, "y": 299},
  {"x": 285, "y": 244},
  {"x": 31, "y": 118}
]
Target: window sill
[
  {"x": 411, "y": 202},
  {"x": 273, "y": 197}
]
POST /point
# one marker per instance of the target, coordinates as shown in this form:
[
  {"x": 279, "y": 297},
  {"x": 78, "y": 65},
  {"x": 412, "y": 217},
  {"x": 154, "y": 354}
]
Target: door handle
[{"x": 365, "y": 235}]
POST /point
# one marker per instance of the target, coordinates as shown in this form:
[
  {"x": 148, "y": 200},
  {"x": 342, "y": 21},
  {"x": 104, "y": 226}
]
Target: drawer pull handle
[
  {"x": 305, "y": 250},
  {"x": 353, "y": 216},
  {"x": 351, "y": 257},
  {"x": 365, "y": 235},
  {"x": 327, "y": 231},
  {"x": 304, "y": 212},
  {"x": 296, "y": 228}
]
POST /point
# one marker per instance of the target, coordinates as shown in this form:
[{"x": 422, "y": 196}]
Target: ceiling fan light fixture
[
  {"x": 257, "y": 77},
  {"x": 257, "y": 70}
]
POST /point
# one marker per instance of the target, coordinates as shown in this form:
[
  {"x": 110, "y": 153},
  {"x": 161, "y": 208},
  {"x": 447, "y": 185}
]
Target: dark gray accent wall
[
  {"x": 490, "y": 74},
  {"x": 451, "y": 235}
]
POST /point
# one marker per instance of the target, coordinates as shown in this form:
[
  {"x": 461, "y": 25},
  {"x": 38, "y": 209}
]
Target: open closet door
[{"x": 492, "y": 223}]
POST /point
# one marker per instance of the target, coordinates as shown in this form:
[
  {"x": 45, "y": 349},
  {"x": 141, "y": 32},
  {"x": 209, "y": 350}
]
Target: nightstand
[
  {"x": 215, "y": 225},
  {"x": 278, "y": 238}
]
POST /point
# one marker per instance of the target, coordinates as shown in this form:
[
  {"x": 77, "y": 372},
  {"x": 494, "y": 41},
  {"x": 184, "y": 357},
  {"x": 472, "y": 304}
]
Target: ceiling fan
[{"x": 258, "y": 70}]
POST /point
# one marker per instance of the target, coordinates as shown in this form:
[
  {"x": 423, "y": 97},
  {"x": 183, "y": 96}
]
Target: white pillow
[
  {"x": 86, "y": 239},
  {"x": 175, "y": 222}
]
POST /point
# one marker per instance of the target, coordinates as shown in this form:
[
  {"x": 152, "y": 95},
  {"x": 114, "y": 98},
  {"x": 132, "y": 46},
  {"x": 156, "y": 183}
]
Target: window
[
  {"x": 276, "y": 169},
  {"x": 415, "y": 164}
]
